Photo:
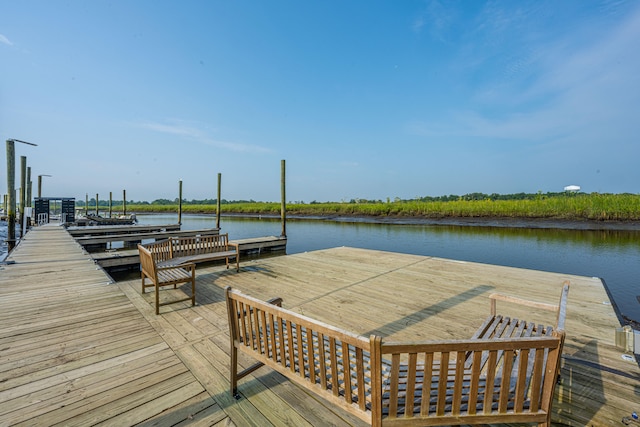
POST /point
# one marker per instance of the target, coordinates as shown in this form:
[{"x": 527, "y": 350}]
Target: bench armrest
[
  {"x": 560, "y": 309},
  {"x": 186, "y": 265},
  {"x": 275, "y": 301}
]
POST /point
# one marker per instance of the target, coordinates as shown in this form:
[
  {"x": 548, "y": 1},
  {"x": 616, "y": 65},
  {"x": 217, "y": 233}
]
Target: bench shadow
[
  {"x": 570, "y": 402},
  {"x": 427, "y": 312}
]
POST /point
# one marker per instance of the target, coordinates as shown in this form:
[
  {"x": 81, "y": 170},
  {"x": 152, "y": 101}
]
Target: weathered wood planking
[
  {"x": 397, "y": 295},
  {"x": 133, "y": 237},
  {"x": 75, "y": 350},
  {"x": 130, "y": 257},
  {"x": 403, "y": 296},
  {"x": 99, "y": 230}
]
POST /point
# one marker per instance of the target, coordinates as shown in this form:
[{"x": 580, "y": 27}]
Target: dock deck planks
[
  {"x": 78, "y": 350},
  {"x": 74, "y": 349}
]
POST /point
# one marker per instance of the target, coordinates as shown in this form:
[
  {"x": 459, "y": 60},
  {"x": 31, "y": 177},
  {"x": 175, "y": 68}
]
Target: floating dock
[
  {"x": 95, "y": 240},
  {"x": 76, "y": 349}
]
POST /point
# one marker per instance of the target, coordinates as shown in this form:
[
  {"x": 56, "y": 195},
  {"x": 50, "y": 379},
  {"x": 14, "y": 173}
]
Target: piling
[
  {"x": 180, "y": 202},
  {"x": 283, "y": 203},
  {"x": 29, "y": 185},
  {"x": 110, "y": 203},
  {"x": 218, "y": 201},
  {"x": 11, "y": 192},
  {"x": 23, "y": 191}
]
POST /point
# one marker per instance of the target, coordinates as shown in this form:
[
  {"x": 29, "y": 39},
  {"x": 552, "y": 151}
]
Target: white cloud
[
  {"x": 194, "y": 132},
  {"x": 5, "y": 40},
  {"x": 173, "y": 129}
]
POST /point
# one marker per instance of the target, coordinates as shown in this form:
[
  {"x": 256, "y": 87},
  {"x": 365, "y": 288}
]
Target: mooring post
[
  {"x": 11, "y": 193},
  {"x": 11, "y": 190},
  {"x": 110, "y": 203},
  {"x": 283, "y": 205},
  {"x": 218, "y": 202},
  {"x": 180, "y": 202},
  {"x": 97, "y": 208},
  {"x": 29, "y": 185},
  {"x": 86, "y": 204},
  {"x": 23, "y": 192},
  {"x": 124, "y": 202}
]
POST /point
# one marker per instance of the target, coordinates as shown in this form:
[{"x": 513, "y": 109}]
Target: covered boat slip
[{"x": 77, "y": 349}]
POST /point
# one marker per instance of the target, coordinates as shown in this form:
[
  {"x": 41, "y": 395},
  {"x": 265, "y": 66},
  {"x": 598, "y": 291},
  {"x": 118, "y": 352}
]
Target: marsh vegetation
[{"x": 565, "y": 206}]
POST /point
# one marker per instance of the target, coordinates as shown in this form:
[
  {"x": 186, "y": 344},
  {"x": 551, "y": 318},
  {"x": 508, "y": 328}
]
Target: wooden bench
[
  {"x": 195, "y": 249},
  {"x": 505, "y": 373},
  {"x": 157, "y": 276}
]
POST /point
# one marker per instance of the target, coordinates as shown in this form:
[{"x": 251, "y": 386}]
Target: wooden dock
[
  {"x": 129, "y": 258},
  {"x": 76, "y": 349},
  {"x": 137, "y": 237},
  {"x": 103, "y": 230}
]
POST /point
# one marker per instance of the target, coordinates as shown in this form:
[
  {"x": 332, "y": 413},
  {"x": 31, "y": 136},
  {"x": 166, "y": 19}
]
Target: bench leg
[
  {"x": 193, "y": 288},
  {"x": 233, "y": 372},
  {"x": 157, "y": 298}
]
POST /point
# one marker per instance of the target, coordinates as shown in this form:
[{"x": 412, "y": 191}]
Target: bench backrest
[
  {"x": 160, "y": 250},
  {"x": 507, "y": 370},
  {"x": 147, "y": 263},
  {"x": 318, "y": 356},
  {"x": 479, "y": 380},
  {"x": 196, "y": 245},
  {"x": 471, "y": 380}
]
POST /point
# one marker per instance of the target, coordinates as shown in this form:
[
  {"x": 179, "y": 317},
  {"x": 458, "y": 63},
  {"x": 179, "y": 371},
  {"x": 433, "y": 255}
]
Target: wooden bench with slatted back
[
  {"x": 204, "y": 248},
  {"x": 157, "y": 276},
  {"x": 502, "y": 376}
]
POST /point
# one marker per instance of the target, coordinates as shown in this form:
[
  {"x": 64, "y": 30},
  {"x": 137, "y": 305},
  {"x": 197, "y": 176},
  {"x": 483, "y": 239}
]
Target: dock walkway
[
  {"x": 74, "y": 350},
  {"x": 78, "y": 350}
]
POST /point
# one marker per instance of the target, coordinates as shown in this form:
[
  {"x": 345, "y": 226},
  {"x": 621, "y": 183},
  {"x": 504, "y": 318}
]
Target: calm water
[{"x": 611, "y": 255}]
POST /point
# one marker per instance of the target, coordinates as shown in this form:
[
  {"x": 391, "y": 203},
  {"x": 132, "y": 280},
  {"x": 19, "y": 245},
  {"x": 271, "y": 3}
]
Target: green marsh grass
[{"x": 598, "y": 207}]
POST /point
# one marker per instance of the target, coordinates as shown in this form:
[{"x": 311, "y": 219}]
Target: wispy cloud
[
  {"x": 198, "y": 133},
  {"x": 173, "y": 129},
  {"x": 580, "y": 96},
  {"x": 5, "y": 40}
]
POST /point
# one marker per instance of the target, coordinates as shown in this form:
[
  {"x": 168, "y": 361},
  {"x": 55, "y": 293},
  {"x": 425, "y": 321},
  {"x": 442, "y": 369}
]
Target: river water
[{"x": 612, "y": 255}]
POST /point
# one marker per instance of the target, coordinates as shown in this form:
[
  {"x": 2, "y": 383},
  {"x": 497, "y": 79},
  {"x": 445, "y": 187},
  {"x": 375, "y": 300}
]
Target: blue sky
[{"x": 363, "y": 99}]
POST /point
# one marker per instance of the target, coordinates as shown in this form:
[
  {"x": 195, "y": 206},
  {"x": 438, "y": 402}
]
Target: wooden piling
[
  {"x": 124, "y": 202},
  {"x": 110, "y": 203},
  {"x": 23, "y": 191},
  {"x": 29, "y": 185},
  {"x": 218, "y": 201},
  {"x": 97, "y": 206},
  {"x": 86, "y": 204},
  {"x": 11, "y": 192},
  {"x": 283, "y": 204},
  {"x": 180, "y": 202}
]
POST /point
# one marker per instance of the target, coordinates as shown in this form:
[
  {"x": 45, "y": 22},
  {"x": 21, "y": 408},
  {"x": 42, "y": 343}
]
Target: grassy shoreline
[{"x": 583, "y": 207}]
